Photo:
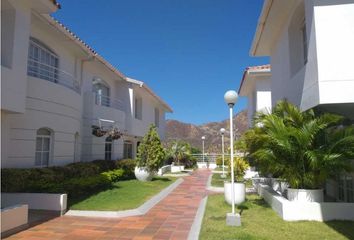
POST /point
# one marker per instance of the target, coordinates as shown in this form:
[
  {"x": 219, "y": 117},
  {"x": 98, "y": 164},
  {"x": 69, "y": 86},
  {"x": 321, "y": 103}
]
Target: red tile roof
[{"x": 252, "y": 68}]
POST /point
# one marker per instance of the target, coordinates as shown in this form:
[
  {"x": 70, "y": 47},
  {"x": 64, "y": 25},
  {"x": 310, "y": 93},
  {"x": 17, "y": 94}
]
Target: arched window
[
  {"x": 108, "y": 149},
  {"x": 101, "y": 91},
  {"x": 42, "y": 61},
  {"x": 43, "y": 147}
]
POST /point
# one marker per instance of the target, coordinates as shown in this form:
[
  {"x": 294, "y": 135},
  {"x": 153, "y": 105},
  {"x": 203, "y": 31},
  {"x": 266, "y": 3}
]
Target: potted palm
[
  {"x": 302, "y": 148},
  {"x": 240, "y": 167},
  {"x": 177, "y": 151},
  {"x": 150, "y": 156}
]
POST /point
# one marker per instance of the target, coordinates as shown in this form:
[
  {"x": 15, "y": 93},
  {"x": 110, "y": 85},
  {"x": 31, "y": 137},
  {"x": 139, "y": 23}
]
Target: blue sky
[{"x": 188, "y": 51}]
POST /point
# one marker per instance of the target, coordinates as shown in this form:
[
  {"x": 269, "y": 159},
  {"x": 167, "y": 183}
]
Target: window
[
  {"x": 346, "y": 188},
  {"x": 128, "y": 150},
  {"x": 157, "y": 117},
  {"x": 43, "y": 147},
  {"x": 42, "y": 61},
  {"x": 138, "y": 108},
  {"x": 101, "y": 91},
  {"x": 108, "y": 149},
  {"x": 304, "y": 42}
]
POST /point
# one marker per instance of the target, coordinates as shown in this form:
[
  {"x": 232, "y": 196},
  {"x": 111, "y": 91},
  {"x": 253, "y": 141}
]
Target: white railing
[
  {"x": 52, "y": 74},
  {"x": 102, "y": 100}
]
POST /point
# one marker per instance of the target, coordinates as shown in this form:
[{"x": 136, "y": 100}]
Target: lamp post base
[
  {"x": 233, "y": 219},
  {"x": 223, "y": 176}
]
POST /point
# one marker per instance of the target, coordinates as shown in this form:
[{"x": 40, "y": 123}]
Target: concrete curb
[
  {"x": 213, "y": 189},
  {"x": 198, "y": 220},
  {"x": 144, "y": 208}
]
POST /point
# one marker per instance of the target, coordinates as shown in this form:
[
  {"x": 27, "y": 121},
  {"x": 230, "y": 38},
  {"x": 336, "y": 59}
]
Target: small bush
[
  {"x": 128, "y": 165},
  {"x": 226, "y": 160},
  {"x": 105, "y": 165},
  {"x": 114, "y": 175}
]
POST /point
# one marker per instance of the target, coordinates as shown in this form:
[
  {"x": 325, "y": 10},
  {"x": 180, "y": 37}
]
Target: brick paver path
[{"x": 170, "y": 219}]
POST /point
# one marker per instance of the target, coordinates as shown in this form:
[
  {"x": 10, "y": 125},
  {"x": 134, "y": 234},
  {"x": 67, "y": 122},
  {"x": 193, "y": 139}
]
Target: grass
[
  {"x": 122, "y": 196},
  {"x": 217, "y": 181},
  {"x": 260, "y": 222}
]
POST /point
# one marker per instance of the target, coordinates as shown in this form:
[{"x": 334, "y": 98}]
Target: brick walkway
[{"x": 170, "y": 219}]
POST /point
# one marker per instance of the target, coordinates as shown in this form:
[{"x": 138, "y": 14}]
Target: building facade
[
  {"x": 256, "y": 86},
  {"x": 310, "y": 45},
  {"x": 54, "y": 88}
]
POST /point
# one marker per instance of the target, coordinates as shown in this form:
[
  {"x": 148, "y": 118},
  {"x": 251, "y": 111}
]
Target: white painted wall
[
  {"x": 335, "y": 50},
  {"x": 328, "y": 75},
  {"x": 39, "y": 103},
  {"x": 13, "y": 217}
]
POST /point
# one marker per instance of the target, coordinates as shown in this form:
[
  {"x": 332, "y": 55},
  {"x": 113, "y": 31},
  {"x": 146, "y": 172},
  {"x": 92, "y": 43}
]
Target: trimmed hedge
[
  {"x": 75, "y": 178},
  {"x": 128, "y": 165}
]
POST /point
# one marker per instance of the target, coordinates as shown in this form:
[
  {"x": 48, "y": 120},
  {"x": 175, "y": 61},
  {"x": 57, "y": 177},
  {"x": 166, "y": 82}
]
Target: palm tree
[
  {"x": 178, "y": 150},
  {"x": 300, "y": 147}
]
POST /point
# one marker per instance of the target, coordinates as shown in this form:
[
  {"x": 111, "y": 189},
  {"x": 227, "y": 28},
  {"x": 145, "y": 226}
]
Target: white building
[
  {"x": 256, "y": 86},
  {"x": 310, "y": 45},
  {"x": 54, "y": 87}
]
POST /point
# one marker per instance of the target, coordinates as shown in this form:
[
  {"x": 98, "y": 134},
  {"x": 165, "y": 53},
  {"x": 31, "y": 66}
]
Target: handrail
[
  {"x": 52, "y": 74},
  {"x": 106, "y": 101}
]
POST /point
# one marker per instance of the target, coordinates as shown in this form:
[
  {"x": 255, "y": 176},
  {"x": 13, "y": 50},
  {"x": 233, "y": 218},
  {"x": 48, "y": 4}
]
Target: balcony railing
[
  {"x": 52, "y": 74},
  {"x": 102, "y": 100}
]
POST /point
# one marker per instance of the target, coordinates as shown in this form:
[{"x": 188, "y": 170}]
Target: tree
[
  {"x": 179, "y": 150},
  {"x": 301, "y": 147},
  {"x": 150, "y": 152}
]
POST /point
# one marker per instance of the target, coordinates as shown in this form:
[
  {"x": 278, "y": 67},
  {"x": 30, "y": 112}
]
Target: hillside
[{"x": 192, "y": 133}]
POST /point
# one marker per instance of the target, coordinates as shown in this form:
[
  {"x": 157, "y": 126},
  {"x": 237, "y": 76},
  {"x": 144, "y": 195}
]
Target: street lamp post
[
  {"x": 222, "y": 132},
  {"x": 203, "y": 138},
  {"x": 232, "y": 219}
]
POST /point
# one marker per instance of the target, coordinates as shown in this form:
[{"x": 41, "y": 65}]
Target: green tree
[
  {"x": 300, "y": 147},
  {"x": 179, "y": 150},
  {"x": 150, "y": 152}
]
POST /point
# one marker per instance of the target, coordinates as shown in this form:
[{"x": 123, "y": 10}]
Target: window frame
[
  {"x": 127, "y": 153},
  {"x": 42, "y": 138},
  {"x": 43, "y": 62}
]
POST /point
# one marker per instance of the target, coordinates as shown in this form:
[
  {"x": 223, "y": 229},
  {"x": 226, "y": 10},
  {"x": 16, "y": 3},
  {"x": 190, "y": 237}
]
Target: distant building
[
  {"x": 54, "y": 87},
  {"x": 256, "y": 86}
]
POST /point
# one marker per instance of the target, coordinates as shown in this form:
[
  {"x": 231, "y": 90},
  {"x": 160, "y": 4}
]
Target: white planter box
[
  {"x": 175, "y": 169},
  {"x": 309, "y": 211},
  {"x": 240, "y": 192},
  {"x": 164, "y": 169},
  {"x": 14, "y": 217},
  {"x": 305, "y": 195},
  {"x": 143, "y": 175},
  {"x": 41, "y": 201}
]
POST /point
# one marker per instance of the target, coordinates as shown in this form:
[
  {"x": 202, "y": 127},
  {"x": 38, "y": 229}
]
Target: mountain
[{"x": 176, "y": 130}]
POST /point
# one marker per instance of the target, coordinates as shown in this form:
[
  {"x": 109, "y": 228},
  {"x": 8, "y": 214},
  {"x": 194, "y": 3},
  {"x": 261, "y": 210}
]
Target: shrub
[
  {"x": 128, "y": 165},
  {"x": 240, "y": 167},
  {"x": 189, "y": 161},
  {"x": 114, "y": 175},
  {"x": 226, "y": 160},
  {"x": 105, "y": 165},
  {"x": 82, "y": 169},
  {"x": 150, "y": 152}
]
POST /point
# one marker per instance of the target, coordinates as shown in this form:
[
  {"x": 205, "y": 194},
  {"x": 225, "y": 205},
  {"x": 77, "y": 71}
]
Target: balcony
[
  {"x": 52, "y": 74},
  {"x": 105, "y": 101}
]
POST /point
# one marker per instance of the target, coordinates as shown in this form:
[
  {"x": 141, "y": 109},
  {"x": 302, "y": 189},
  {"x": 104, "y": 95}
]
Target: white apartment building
[
  {"x": 310, "y": 45},
  {"x": 256, "y": 86},
  {"x": 54, "y": 88}
]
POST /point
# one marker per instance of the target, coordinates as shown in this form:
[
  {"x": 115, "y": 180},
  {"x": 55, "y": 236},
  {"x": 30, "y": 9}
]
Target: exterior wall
[
  {"x": 30, "y": 103},
  {"x": 140, "y": 127},
  {"x": 327, "y": 77},
  {"x": 14, "y": 68},
  {"x": 334, "y": 24}
]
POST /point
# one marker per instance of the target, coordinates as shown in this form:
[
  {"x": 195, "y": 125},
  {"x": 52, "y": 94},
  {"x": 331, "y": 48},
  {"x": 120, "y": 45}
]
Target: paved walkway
[{"x": 170, "y": 219}]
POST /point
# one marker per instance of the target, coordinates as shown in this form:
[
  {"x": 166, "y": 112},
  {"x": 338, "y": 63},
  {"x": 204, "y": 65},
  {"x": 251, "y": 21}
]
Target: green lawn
[
  {"x": 217, "y": 181},
  {"x": 122, "y": 196},
  {"x": 259, "y": 221}
]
